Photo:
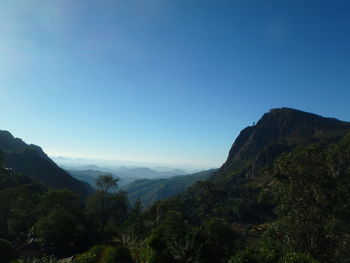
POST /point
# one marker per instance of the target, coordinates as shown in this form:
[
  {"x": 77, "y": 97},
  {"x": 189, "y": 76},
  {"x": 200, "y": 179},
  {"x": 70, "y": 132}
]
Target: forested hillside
[
  {"x": 282, "y": 196},
  {"x": 151, "y": 190}
]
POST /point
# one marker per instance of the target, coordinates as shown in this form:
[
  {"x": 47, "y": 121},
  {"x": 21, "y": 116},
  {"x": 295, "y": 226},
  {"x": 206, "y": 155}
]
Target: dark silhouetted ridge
[
  {"x": 280, "y": 130},
  {"x": 31, "y": 160}
]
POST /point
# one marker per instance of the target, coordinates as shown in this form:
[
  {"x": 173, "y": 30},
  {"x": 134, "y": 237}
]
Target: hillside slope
[
  {"x": 278, "y": 131},
  {"x": 234, "y": 191},
  {"x": 30, "y": 160},
  {"x": 284, "y": 191},
  {"x": 151, "y": 190}
]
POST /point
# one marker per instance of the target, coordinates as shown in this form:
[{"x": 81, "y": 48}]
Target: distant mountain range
[
  {"x": 143, "y": 183},
  {"x": 109, "y": 165},
  {"x": 126, "y": 175},
  {"x": 31, "y": 160}
]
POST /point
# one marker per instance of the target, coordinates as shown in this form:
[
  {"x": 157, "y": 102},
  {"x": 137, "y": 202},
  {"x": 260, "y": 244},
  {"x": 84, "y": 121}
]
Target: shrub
[
  {"x": 104, "y": 254},
  {"x": 255, "y": 255},
  {"x": 297, "y": 258},
  {"x": 91, "y": 256},
  {"x": 116, "y": 254}
]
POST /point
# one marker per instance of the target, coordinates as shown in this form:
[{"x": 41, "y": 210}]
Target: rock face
[
  {"x": 278, "y": 131},
  {"x": 31, "y": 160}
]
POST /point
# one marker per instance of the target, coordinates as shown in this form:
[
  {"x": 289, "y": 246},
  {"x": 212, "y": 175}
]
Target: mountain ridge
[
  {"x": 151, "y": 190},
  {"x": 278, "y": 131},
  {"x": 31, "y": 160}
]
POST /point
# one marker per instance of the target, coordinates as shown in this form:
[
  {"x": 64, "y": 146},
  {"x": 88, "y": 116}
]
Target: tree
[
  {"x": 107, "y": 206},
  {"x": 1, "y": 158},
  {"x": 62, "y": 221},
  {"x": 19, "y": 197},
  {"x": 312, "y": 198},
  {"x": 155, "y": 250},
  {"x": 136, "y": 225},
  {"x": 106, "y": 183},
  {"x": 213, "y": 241}
]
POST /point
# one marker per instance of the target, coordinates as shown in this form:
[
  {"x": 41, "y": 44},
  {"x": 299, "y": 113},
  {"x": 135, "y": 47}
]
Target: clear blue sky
[{"x": 168, "y": 82}]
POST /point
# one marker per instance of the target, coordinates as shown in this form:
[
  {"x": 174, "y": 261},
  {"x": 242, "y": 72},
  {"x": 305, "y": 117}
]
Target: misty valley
[
  {"x": 282, "y": 195},
  {"x": 168, "y": 131}
]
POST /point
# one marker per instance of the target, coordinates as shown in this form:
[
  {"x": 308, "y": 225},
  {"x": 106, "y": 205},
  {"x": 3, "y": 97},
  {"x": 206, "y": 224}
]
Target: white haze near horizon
[{"x": 82, "y": 162}]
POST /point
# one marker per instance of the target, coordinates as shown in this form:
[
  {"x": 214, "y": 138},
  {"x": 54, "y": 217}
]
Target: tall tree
[{"x": 107, "y": 206}]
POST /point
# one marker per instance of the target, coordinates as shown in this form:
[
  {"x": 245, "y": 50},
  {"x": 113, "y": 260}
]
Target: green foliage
[
  {"x": 106, "y": 183},
  {"x": 173, "y": 237},
  {"x": 255, "y": 255},
  {"x": 54, "y": 217},
  {"x": 204, "y": 200},
  {"x": 1, "y": 159},
  {"x": 91, "y": 256},
  {"x": 155, "y": 250},
  {"x": 297, "y": 258},
  {"x": 263, "y": 255},
  {"x": 107, "y": 207},
  {"x": 309, "y": 188},
  {"x": 213, "y": 241},
  {"x": 7, "y": 253},
  {"x": 117, "y": 254},
  {"x": 105, "y": 254},
  {"x": 61, "y": 221},
  {"x": 20, "y": 196},
  {"x": 174, "y": 231},
  {"x": 151, "y": 190},
  {"x": 313, "y": 200}
]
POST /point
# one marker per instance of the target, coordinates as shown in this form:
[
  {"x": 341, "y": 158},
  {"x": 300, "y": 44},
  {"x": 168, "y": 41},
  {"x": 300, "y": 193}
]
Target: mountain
[
  {"x": 287, "y": 208},
  {"x": 88, "y": 176},
  {"x": 127, "y": 171},
  {"x": 126, "y": 175},
  {"x": 278, "y": 131},
  {"x": 236, "y": 190},
  {"x": 151, "y": 190},
  {"x": 31, "y": 160},
  {"x": 144, "y": 172}
]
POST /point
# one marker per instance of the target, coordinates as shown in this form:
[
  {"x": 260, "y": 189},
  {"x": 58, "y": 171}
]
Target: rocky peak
[{"x": 278, "y": 131}]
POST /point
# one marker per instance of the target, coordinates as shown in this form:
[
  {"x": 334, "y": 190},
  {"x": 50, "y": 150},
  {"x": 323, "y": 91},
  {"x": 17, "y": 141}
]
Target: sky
[{"x": 168, "y": 82}]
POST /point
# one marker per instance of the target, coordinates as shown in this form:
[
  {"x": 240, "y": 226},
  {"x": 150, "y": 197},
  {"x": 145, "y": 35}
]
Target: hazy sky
[{"x": 168, "y": 82}]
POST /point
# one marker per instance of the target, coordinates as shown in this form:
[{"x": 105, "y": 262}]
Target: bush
[
  {"x": 255, "y": 255},
  {"x": 116, "y": 254},
  {"x": 155, "y": 250},
  {"x": 102, "y": 254},
  {"x": 91, "y": 256},
  {"x": 297, "y": 258}
]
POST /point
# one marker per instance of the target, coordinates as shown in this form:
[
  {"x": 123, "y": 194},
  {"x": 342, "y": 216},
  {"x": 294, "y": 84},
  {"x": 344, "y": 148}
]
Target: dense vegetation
[
  {"x": 56, "y": 222},
  {"x": 139, "y": 186},
  {"x": 278, "y": 199}
]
